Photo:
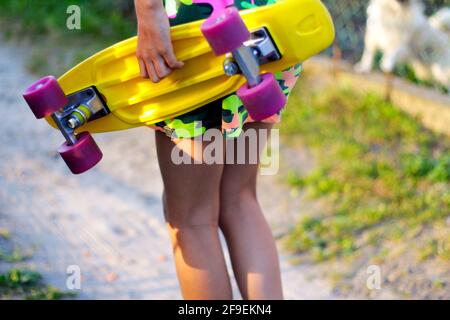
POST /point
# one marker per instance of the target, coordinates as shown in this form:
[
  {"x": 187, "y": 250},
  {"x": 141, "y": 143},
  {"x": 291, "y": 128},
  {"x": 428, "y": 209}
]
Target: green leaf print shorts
[{"x": 228, "y": 113}]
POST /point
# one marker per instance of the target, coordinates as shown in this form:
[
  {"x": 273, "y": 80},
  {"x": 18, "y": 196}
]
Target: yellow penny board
[{"x": 299, "y": 28}]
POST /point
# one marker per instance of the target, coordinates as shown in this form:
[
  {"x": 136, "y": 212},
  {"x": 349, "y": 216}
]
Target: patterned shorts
[{"x": 228, "y": 113}]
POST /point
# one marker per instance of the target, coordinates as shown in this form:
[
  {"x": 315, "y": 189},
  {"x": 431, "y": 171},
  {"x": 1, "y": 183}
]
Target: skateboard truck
[
  {"x": 83, "y": 106},
  {"x": 263, "y": 50},
  {"x": 226, "y": 33},
  {"x": 47, "y": 99},
  {"x": 248, "y": 65}
]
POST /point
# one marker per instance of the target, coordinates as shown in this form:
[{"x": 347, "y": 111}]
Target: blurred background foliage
[{"x": 109, "y": 20}]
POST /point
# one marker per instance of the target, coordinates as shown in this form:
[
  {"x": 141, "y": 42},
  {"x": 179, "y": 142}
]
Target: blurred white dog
[
  {"x": 441, "y": 20},
  {"x": 402, "y": 32}
]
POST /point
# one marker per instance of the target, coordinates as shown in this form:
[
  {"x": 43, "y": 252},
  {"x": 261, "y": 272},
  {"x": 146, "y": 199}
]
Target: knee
[
  {"x": 194, "y": 212},
  {"x": 234, "y": 201}
]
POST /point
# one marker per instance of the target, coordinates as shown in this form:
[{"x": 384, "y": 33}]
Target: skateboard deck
[
  {"x": 229, "y": 52},
  {"x": 299, "y": 29}
]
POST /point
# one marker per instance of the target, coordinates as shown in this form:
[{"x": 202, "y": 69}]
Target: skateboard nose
[{"x": 308, "y": 25}]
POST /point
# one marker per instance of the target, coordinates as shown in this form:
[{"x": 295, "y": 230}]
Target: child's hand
[{"x": 154, "y": 51}]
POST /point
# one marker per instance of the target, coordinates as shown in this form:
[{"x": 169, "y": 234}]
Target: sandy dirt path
[{"x": 108, "y": 221}]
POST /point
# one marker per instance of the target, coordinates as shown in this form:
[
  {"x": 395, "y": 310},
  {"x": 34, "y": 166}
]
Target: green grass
[
  {"x": 380, "y": 172},
  {"x": 405, "y": 71},
  {"x": 112, "y": 19},
  {"x": 20, "y": 283},
  {"x": 55, "y": 47},
  {"x": 4, "y": 233},
  {"x": 12, "y": 257}
]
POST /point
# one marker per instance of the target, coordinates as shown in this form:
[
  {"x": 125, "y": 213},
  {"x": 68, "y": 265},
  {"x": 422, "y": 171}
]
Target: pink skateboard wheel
[
  {"x": 81, "y": 156},
  {"x": 45, "y": 97},
  {"x": 226, "y": 31},
  {"x": 264, "y": 100}
]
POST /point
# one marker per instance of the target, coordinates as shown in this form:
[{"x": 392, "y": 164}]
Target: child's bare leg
[
  {"x": 250, "y": 241},
  {"x": 191, "y": 205}
]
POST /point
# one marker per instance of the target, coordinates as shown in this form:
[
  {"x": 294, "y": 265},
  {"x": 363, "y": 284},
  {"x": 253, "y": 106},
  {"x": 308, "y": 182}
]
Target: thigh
[
  {"x": 238, "y": 177},
  {"x": 191, "y": 191}
]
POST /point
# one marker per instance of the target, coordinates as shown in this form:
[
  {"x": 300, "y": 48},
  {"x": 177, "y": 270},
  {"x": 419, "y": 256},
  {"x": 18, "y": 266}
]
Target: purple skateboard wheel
[
  {"x": 226, "y": 31},
  {"x": 264, "y": 100},
  {"x": 45, "y": 97},
  {"x": 81, "y": 156}
]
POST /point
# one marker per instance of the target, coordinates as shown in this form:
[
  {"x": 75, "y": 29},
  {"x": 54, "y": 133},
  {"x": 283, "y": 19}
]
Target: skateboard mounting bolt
[
  {"x": 73, "y": 122},
  {"x": 231, "y": 68}
]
